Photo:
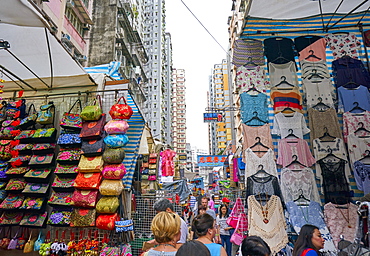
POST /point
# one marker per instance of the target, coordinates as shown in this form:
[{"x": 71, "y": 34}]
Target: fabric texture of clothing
[
  {"x": 323, "y": 90},
  {"x": 184, "y": 232},
  {"x": 268, "y": 185},
  {"x": 357, "y": 147},
  {"x": 252, "y": 162},
  {"x": 248, "y": 51},
  {"x": 347, "y": 69},
  {"x": 249, "y": 78},
  {"x": 221, "y": 222},
  {"x": 309, "y": 252},
  {"x": 273, "y": 231},
  {"x": 254, "y": 105},
  {"x": 279, "y": 50},
  {"x": 348, "y": 97},
  {"x": 250, "y": 133},
  {"x": 277, "y": 73},
  {"x": 296, "y": 122},
  {"x": 292, "y": 98},
  {"x": 353, "y": 121},
  {"x": 362, "y": 176},
  {"x": 314, "y": 71},
  {"x": 212, "y": 213},
  {"x": 152, "y": 252},
  {"x": 342, "y": 45},
  {"x": 299, "y": 147},
  {"x": 214, "y": 249},
  {"x": 225, "y": 240},
  {"x": 316, "y": 48},
  {"x": 168, "y": 166}
]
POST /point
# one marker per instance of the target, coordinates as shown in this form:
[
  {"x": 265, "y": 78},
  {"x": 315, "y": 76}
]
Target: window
[
  {"x": 155, "y": 114},
  {"x": 74, "y": 20}
]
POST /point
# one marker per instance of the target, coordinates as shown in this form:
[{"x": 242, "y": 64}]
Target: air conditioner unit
[
  {"x": 70, "y": 3},
  {"x": 66, "y": 38},
  {"x": 137, "y": 70},
  {"x": 82, "y": 58},
  {"x": 86, "y": 26}
]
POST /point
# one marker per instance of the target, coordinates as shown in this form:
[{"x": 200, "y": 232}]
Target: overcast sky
[{"x": 195, "y": 51}]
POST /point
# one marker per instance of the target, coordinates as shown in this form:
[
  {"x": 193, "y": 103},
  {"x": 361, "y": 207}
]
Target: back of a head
[
  {"x": 193, "y": 247},
  {"x": 255, "y": 246},
  {"x": 162, "y": 204},
  {"x": 202, "y": 223},
  {"x": 304, "y": 239},
  {"x": 165, "y": 226}
]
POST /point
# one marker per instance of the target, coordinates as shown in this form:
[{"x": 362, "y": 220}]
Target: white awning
[{"x": 295, "y": 9}]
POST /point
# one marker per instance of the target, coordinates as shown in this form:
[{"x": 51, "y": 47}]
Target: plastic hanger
[
  {"x": 287, "y": 108},
  {"x": 291, "y": 134},
  {"x": 280, "y": 57},
  {"x": 258, "y": 143},
  {"x": 253, "y": 89},
  {"x": 261, "y": 172},
  {"x": 361, "y": 128},
  {"x": 331, "y": 155},
  {"x": 284, "y": 82},
  {"x": 367, "y": 156},
  {"x": 326, "y": 134},
  {"x": 320, "y": 106},
  {"x": 250, "y": 62},
  {"x": 255, "y": 117},
  {"x": 312, "y": 55},
  {"x": 301, "y": 196},
  {"x": 356, "y": 107},
  {"x": 295, "y": 161},
  {"x": 314, "y": 74}
]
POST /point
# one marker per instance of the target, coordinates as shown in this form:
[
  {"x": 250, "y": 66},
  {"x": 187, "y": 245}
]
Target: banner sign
[
  {"x": 210, "y": 160},
  {"x": 212, "y": 117}
]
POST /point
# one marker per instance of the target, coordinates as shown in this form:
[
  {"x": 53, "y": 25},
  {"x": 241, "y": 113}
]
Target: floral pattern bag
[
  {"x": 116, "y": 127},
  {"x": 62, "y": 182},
  {"x": 20, "y": 161},
  {"x": 68, "y": 169},
  {"x": 84, "y": 198},
  {"x": 91, "y": 164},
  {"x": 92, "y": 112},
  {"x": 30, "y": 119},
  {"x": 60, "y": 198},
  {"x": 43, "y": 148},
  {"x": 88, "y": 180},
  {"x": 114, "y": 155},
  {"x": 83, "y": 217},
  {"x": 114, "y": 171},
  {"x": 107, "y": 204},
  {"x": 68, "y": 156},
  {"x": 16, "y": 171},
  {"x": 23, "y": 148},
  {"x": 93, "y": 147},
  {"x": 121, "y": 111},
  {"x": 68, "y": 139},
  {"x": 38, "y": 173},
  {"x": 12, "y": 201},
  {"x": 11, "y": 218},
  {"x": 36, "y": 188},
  {"x": 32, "y": 203},
  {"x": 111, "y": 187},
  {"x": 42, "y": 159},
  {"x": 60, "y": 216},
  {"x": 25, "y": 136},
  {"x": 46, "y": 114},
  {"x": 33, "y": 219},
  {"x": 16, "y": 184},
  {"x": 5, "y": 150},
  {"x": 116, "y": 140},
  {"x": 44, "y": 135},
  {"x": 92, "y": 130},
  {"x": 72, "y": 121}
]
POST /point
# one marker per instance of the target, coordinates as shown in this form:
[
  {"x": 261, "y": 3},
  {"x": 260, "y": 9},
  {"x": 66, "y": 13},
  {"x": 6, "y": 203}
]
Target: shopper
[
  {"x": 202, "y": 209},
  {"x": 224, "y": 229},
  {"x": 205, "y": 204},
  {"x": 164, "y": 205},
  {"x": 193, "y": 247},
  {"x": 166, "y": 230},
  {"x": 255, "y": 246},
  {"x": 211, "y": 203},
  {"x": 309, "y": 241},
  {"x": 205, "y": 227}
]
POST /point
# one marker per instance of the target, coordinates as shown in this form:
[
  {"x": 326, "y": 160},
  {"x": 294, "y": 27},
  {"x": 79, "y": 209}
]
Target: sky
[{"x": 194, "y": 50}]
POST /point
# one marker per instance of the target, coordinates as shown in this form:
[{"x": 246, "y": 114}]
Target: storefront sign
[
  {"x": 212, "y": 117},
  {"x": 182, "y": 156},
  {"x": 210, "y": 160}
]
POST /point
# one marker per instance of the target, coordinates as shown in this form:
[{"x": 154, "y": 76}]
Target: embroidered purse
[
  {"x": 23, "y": 148},
  {"x": 114, "y": 171},
  {"x": 34, "y": 203},
  {"x": 121, "y": 111},
  {"x": 30, "y": 119},
  {"x": 88, "y": 180},
  {"x": 60, "y": 198},
  {"x": 107, "y": 204},
  {"x": 144, "y": 177},
  {"x": 111, "y": 187},
  {"x": 72, "y": 121},
  {"x": 36, "y": 188},
  {"x": 116, "y": 127},
  {"x": 12, "y": 201},
  {"x": 16, "y": 184},
  {"x": 5, "y": 150},
  {"x": 93, "y": 111},
  {"x": 6, "y": 239},
  {"x": 66, "y": 169},
  {"x": 17, "y": 171},
  {"x": 68, "y": 156},
  {"x": 38, "y": 173},
  {"x": 33, "y": 219},
  {"x": 19, "y": 161},
  {"x": 152, "y": 177},
  {"x": 93, "y": 147},
  {"x": 42, "y": 159},
  {"x": 91, "y": 164},
  {"x": 11, "y": 218},
  {"x": 116, "y": 140},
  {"x": 84, "y": 198},
  {"x": 106, "y": 221},
  {"x": 92, "y": 130},
  {"x": 43, "y": 148},
  {"x": 124, "y": 226},
  {"x": 62, "y": 182},
  {"x": 25, "y": 136},
  {"x": 60, "y": 216},
  {"x": 152, "y": 171},
  {"x": 114, "y": 155},
  {"x": 44, "y": 135},
  {"x": 83, "y": 217},
  {"x": 69, "y": 139},
  {"x": 46, "y": 114},
  {"x": 3, "y": 194}
]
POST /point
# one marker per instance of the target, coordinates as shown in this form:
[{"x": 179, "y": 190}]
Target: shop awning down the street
[{"x": 35, "y": 60}]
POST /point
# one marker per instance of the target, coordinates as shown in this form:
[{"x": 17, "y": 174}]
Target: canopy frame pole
[
  {"x": 5, "y": 74},
  {"x": 353, "y": 10},
  {"x": 20, "y": 79},
  {"x": 50, "y": 59},
  {"x": 335, "y": 12},
  {"x": 322, "y": 17}
]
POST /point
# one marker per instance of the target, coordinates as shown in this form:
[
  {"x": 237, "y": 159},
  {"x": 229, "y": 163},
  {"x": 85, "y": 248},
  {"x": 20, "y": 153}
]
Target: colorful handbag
[
  {"x": 62, "y": 182},
  {"x": 152, "y": 177},
  {"x": 44, "y": 135},
  {"x": 93, "y": 147},
  {"x": 91, "y": 164},
  {"x": 11, "y": 218},
  {"x": 16, "y": 184},
  {"x": 42, "y": 159},
  {"x": 68, "y": 156},
  {"x": 4, "y": 242},
  {"x": 33, "y": 219},
  {"x": 17, "y": 171},
  {"x": 66, "y": 169},
  {"x": 116, "y": 127},
  {"x": 114, "y": 155},
  {"x": 60, "y": 216},
  {"x": 116, "y": 140},
  {"x": 60, "y": 198},
  {"x": 93, "y": 111},
  {"x": 121, "y": 111},
  {"x": 106, "y": 221},
  {"x": 12, "y": 201},
  {"x": 36, "y": 188},
  {"x": 34, "y": 203},
  {"x": 152, "y": 171},
  {"x": 124, "y": 226},
  {"x": 5, "y": 150},
  {"x": 72, "y": 121},
  {"x": 88, "y": 180},
  {"x": 13, "y": 243},
  {"x": 111, "y": 187},
  {"x": 23, "y": 148},
  {"x": 38, "y": 173},
  {"x": 20, "y": 161},
  {"x": 107, "y": 204},
  {"x": 25, "y": 136},
  {"x": 69, "y": 139},
  {"x": 3, "y": 195},
  {"x": 46, "y": 114},
  {"x": 114, "y": 171},
  {"x": 28, "y": 247},
  {"x": 92, "y": 130},
  {"x": 30, "y": 119},
  {"x": 152, "y": 160},
  {"x": 144, "y": 177},
  {"x": 39, "y": 241},
  {"x": 83, "y": 217},
  {"x": 43, "y": 148},
  {"x": 84, "y": 198}
]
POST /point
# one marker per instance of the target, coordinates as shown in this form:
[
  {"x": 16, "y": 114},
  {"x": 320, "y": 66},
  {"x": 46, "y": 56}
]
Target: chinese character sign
[{"x": 207, "y": 160}]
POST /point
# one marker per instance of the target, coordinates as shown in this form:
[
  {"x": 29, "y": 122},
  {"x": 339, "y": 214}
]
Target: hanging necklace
[
  {"x": 347, "y": 219},
  {"x": 264, "y": 209}
]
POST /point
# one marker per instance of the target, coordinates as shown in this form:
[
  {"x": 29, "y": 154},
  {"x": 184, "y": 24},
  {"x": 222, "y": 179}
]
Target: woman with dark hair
[
  {"x": 224, "y": 229},
  {"x": 255, "y": 246},
  {"x": 193, "y": 247},
  {"x": 204, "y": 227},
  {"x": 309, "y": 241}
]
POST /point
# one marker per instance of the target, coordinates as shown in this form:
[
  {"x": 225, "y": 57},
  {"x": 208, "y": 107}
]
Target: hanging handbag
[
  {"x": 60, "y": 198},
  {"x": 114, "y": 171},
  {"x": 84, "y": 198},
  {"x": 42, "y": 160},
  {"x": 36, "y": 188},
  {"x": 116, "y": 127},
  {"x": 93, "y": 111},
  {"x": 12, "y": 201},
  {"x": 107, "y": 204},
  {"x": 31, "y": 118},
  {"x": 39, "y": 241},
  {"x": 88, "y": 180},
  {"x": 113, "y": 155},
  {"x": 33, "y": 219},
  {"x": 93, "y": 130},
  {"x": 6, "y": 239},
  {"x": 111, "y": 187},
  {"x": 22, "y": 240},
  {"x": 60, "y": 216},
  {"x": 238, "y": 236},
  {"x": 116, "y": 140},
  {"x": 68, "y": 156},
  {"x": 46, "y": 114},
  {"x": 238, "y": 208},
  {"x": 121, "y": 111},
  {"x": 124, "y": 226},
  {"x": 13, "y": 243},
  {"x": 83, "y": 217},
  {"x": 69, "y": 139},
  {"x": 11, "y": 218},
  {"x": 93, "y": 147},
  {"x": 106, "y": 221},
  {"x": 91, "y": 164},
  {"x": 28, "y": 247},
  {"x": 5, "y": 150},
  {"x": 22, "y": 148},
  {"x": 72, "y": 121}
]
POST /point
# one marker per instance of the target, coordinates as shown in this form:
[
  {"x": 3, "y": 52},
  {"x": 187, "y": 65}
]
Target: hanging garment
[
  {"x": 283, "y": 98},
  {"x": 362, "y": 176},
  {"x": 253, "y": 162},
  {"x": 334, "y": 181},
  {"x": 321, "y": 121},
  {"x": 248, "y": 52},
  {"x": 357, "y": 147},
  {"x": 347, "y": 97},
  {"x": 315, "y": 91},
  {"x": 300, "y": 182},
  {"x": 249, "y": 78},
  {"x": 342, "y": 45},
  {"x": 314, "y": 71},
  {"x": 283, "y": 123},
  {"x": 277, "y": 73},
  {"x": 299, "y": 147},
  {"x": 310, "y": 45},
  {"x": 250, "y": 133},
  {"x": 179, "y": 187},
  {"x": 311, "y": 214},
  {"x": 168, "y": 166},
  {"x": 279, "y": 50},
  {"x": 347, "y": 69},
  {"x": 352, "y": 121},
  {"x": 268, "y": 185},
  {"x": 341, "y": 220},
  {"x": 254, "y": 105},
  {"x": 267, "y": 221}
]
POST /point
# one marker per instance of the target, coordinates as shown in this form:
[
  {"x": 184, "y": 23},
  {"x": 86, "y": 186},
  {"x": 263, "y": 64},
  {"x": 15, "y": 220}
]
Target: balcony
[{"x": 82, "y": 9}]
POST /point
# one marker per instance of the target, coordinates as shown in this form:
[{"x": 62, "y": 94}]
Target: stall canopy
[{"x": 35, "y": 60}]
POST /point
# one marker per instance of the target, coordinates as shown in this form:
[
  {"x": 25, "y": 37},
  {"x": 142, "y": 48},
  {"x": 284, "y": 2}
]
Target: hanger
[
  {"x": 361, "y": 128},
  {"x": 314, "y": 74},
  {"x": 287, "y": 108},
  {"x": 326, "y": 134},
  {"x": 312, "y": 55},
  {"x": 330, "y": 154},
  {"x": 295, "y": 161},
  {"x": 283, "y": 81},
  {"x": 351, "y": 82},
  {"x": 320, "y": 106},
  {"x": 280, "y": 57},
  {"x": 255, "y": 117},
  {"x": 261, "y": 171},
  {"x": 258, "y": 143},
  {"x": 367, "y": 156},
  {"x": 301, "y": 196},
  {"x": 253, "y": 89},
  {"x": 291, "y": 134},
  {"x": 250, "y": 62},
  {"x": 356, "y": 107}
]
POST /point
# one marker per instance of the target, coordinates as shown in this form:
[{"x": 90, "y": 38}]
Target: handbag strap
[
  {"x": 16, "y": 234},
  {"x": 123, "y": 98},
  {"x": 32, "y": 106},
  {"x": 74, "y": 104},
  {"x": 29, "y": 239}
]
